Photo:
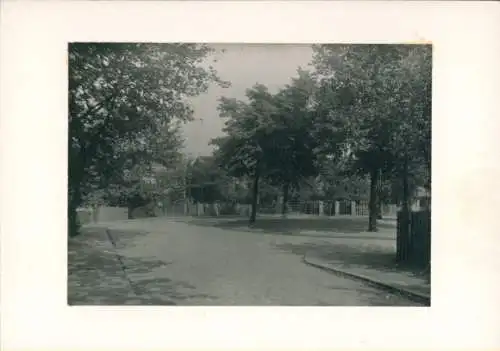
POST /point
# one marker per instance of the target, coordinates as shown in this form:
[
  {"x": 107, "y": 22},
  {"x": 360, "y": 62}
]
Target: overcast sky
[{"x": 243, "y": 65}]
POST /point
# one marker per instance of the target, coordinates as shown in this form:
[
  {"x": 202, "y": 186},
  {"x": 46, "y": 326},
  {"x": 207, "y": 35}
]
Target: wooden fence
[{"x": 414, "y": 239}]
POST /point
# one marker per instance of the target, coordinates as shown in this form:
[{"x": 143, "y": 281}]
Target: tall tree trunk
[
  {"x": 429, "y": 180},
  {"x": 405, "y": 206},
  {"x": 75, "y": 179},
  {"x": 372, "y": 206},
  {"x": 379, "y": 195},
  {"x": 406, "y": 188},
  {"x": 404, "y": 217},
  {"x": 286, "y": 189},
  {"x": 74, "y": 201},
  {"x": 255, "y": 194}
]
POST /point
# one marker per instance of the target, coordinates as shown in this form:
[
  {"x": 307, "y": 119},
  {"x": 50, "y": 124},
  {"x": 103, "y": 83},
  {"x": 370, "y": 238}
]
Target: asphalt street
[{"x": 188, "y": 264}]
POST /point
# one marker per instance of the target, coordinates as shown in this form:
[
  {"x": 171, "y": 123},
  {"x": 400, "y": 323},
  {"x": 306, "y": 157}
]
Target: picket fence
[
  {"x": 182, "y": 208},
  {"x": 329, "y": 208}
]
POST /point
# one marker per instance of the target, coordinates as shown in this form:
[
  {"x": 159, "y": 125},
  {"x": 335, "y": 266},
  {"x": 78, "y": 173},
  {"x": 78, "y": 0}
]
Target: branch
[{"x": 98, "y": 106}]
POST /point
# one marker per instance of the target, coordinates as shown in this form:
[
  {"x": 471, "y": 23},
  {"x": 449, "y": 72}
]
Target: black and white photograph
[
  {"x": 249, "y": 175},
  {"x": 210, "y": 174}
]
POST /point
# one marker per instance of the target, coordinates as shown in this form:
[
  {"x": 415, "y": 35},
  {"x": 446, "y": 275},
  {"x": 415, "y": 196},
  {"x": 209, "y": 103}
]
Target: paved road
[{"x": 201, "y": 265}]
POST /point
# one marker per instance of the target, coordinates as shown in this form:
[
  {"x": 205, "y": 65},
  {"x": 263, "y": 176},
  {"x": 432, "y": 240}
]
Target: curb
[
  {"x": 123, "y": 266},
  {"x": 411, "y": 295}
]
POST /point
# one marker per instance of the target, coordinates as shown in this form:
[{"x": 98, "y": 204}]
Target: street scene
[
  {"x": 249, "y": 175},
  {"x": 183, "y": 263}
]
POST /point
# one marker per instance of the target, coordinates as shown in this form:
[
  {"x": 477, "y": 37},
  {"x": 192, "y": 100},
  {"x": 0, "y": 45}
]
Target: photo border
[{"x": 466, "y": 174}]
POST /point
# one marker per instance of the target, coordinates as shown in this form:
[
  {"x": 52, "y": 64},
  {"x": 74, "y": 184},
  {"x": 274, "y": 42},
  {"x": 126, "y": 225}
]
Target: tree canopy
[
  {"x": 363, "y": 112},
  {"x": 376, "y": 100},
  {"x": 291, "y": 156},
  {"x": 269, "y": 136},
  {"x": 124, "y": 101},
  {"x": 358, "y": 124},
  {"x": 206, "y": 183}
]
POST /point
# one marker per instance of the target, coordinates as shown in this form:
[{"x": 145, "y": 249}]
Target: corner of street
[{"x": 209, "y": 261}]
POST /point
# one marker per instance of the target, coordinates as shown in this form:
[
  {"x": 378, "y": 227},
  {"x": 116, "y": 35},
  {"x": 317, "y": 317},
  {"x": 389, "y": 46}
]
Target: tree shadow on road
[
  {"x": 175, "y": 290},
  {"x": 354, "y": 228},
  {"x": 97, "y": 275},
  {"x": 374, "y": 257}
]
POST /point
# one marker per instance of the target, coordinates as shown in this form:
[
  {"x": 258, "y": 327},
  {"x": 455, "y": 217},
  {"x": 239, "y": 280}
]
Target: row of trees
[
  {"x": 269, "y": 137},
  {"x": 364, "y": 112}
]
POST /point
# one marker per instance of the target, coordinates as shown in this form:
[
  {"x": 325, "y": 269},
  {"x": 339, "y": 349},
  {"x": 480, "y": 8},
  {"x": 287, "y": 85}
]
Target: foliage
[
  {"x": 123, "y": 101},
  {"x": 205, "y": 181},
  {"x": 357, "y": 94},
  {"x": 339, "y": 183},
  {"x": 381, "y": 98},
  {"x": 291, "y": 157},
  {"x": 270, "y": 135},
  {"x": 145, "y": 183},
  {"x": 412, "y": 139},
  {"x": 248, "y": 127},
  {"x": 374, "y": 101}
]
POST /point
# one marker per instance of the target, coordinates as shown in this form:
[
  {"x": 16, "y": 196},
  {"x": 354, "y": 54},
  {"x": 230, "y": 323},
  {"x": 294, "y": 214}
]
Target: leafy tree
[
  {"x": 411, "y": 144},
  {"x": 339, "y": 183},
  {"x": 269, "y": 137},
  {"x": 207, "y": 183},
  {"x": 137, "y": 189},
  {"x": 143, "y": 183},
  {"x": 291, "y": 157},
  {"x": 166, "y": 145},
  {"x": 173, "y": 180},
  {"x": 121, "y": 97},
  {"x": 248, "y": 127},
  {"x": 268, "y": 192},
  {"x": 364, "y": 100}
]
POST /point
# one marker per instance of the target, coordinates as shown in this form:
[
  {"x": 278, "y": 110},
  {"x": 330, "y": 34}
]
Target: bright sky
[{"x": 243, "y": 65}]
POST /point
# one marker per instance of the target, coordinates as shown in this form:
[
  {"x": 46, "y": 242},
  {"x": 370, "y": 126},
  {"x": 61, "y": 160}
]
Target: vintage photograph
[{"x": 249, "y": 174}]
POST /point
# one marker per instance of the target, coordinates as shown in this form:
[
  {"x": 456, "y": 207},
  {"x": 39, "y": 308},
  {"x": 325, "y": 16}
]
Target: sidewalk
[
  {"x": 373, "y": 267},
  {"x": 99, "y": 275},
  {"x": 95, "y": 276}
]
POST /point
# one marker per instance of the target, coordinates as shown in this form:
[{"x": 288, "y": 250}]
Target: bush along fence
[{"x": 414, "y": 239}]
